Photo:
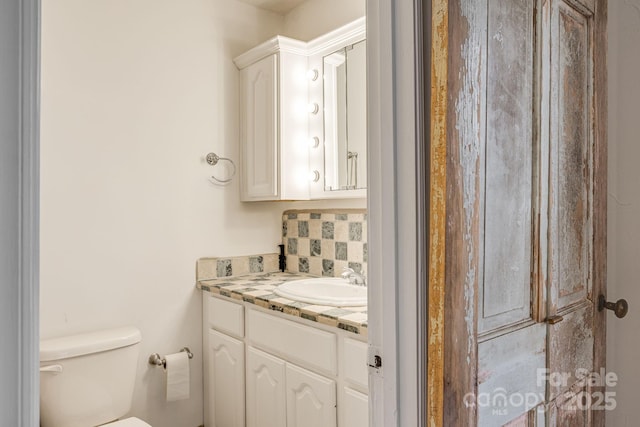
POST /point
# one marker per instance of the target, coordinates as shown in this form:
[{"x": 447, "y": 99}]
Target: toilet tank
[{"x": 87, "y": 379}]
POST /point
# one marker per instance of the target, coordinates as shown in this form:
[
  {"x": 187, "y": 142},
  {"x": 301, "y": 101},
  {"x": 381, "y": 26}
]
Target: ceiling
[{"x": 279, "y": 6}]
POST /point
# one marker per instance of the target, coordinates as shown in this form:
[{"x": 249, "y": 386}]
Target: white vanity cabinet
[
  {"x": 226, "y": 381},
  {"x": 310, "y": 396},
  {"x": 311, "y": 399},
  {"x": 283, "y": 394},
  {"x": 266, "y": 370},
  {"x": 354, "y": 409},
  {"x": 224, "y": 388},
  {"x": 266, "y": 390},
  {"x": 274, "y": 155}
]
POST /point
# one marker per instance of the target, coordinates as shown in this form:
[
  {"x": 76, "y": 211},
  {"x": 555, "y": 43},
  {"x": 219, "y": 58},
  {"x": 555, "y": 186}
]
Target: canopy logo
[{"x": 591, "y": 394}]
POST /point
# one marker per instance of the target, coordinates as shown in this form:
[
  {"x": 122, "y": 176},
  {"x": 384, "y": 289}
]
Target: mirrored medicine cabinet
[
  {"x": 345, "y": 118},
  {"x": 303, "y": 117}
]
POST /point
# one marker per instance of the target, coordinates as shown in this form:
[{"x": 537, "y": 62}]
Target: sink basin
[{"x": 335, "y": 292}]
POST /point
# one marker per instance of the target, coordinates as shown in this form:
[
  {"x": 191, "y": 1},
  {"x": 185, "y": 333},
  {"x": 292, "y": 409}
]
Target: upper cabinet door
[
  {"x": 274, "y": 121},
  {"x": 259, "y": 130}
]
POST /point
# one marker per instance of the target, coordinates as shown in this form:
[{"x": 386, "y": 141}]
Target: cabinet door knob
[{"x": 620, "y": 307}]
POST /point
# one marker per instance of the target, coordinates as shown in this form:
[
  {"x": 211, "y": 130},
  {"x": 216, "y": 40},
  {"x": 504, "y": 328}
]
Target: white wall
[
  {"x": 623, "y": 347},
  {"x": 314, "y": 18},
  {"x": 134, "y": 94}
]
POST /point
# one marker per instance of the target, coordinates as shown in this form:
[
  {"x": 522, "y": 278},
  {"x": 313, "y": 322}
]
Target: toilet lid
[{"x": 128, "y": 422}]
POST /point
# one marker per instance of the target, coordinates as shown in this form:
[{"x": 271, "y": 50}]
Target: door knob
[{"x": 620, "y": 307}]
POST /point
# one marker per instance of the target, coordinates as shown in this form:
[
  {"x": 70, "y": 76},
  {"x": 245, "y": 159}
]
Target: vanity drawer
[
  {"x": 354, "y": 362},
  {"x": 226, "y": 316},
  {"x": 302, "y": 344}
]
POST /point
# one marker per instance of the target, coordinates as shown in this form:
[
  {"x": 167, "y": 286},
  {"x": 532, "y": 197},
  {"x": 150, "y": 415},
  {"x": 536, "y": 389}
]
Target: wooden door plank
[
  {"x": 571, "y": 408},
  {"x": 571, "y": 152},
  {"x": 566, "y": 244},
  {"x": 508, "y": 375},
  {"x": 570, "y": 349},
  {"x": 437, "y": 213},
  {"x": 570, "y": 204},
  {"x": 506, "y": 174},
  {"x": 599, "y": 191},
  {"x": 465, "y": 130}
]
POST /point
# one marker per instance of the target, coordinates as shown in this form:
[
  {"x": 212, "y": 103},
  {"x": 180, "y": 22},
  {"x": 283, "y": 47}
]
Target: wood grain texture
[
  {"x": 522, "y": 421},
  {"x": 570, "y": 348},
  {"x": 569, "y": 408},
  {"x": 526, "y": 93},
  {"x": 507, "y": 368},
  {"x": 437, "y": 212},
  {"x": 507, "y": 166},
  {"x": 577, "y": 202},
  {"x": 571, "y": 162},
  {"x": 600, "y": 190},
  {"x": 465, "y": 128}
]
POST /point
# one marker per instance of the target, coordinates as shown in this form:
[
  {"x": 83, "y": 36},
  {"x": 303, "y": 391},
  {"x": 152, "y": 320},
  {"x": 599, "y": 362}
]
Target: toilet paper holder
[{"x": 156, "y": 360}]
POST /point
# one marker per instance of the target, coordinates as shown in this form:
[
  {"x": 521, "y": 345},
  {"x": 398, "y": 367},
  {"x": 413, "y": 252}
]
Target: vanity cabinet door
[
  {"x": 354, "y": 408},
  {"x": 226, "y": 381},
  {"x": 311, "y": 399},
  {"x": 266, "y": 390},
  {"x": 259, "y": 130}
]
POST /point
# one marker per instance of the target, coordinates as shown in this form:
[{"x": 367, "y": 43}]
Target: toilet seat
[{"x": 128, "y": 422}]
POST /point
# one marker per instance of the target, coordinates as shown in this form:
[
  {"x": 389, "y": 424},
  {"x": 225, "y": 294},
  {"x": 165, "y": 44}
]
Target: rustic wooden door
[{"x": 526, "y": 213}]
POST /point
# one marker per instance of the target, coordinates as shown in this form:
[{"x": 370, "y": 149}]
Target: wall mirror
[
  {"x": 345, "y": 118},
  {"x": 337, "y": 127}
]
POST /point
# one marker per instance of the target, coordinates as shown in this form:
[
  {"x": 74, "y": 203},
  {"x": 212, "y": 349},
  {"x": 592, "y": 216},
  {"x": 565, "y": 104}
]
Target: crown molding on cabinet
[{"x": 327, "y": 43}]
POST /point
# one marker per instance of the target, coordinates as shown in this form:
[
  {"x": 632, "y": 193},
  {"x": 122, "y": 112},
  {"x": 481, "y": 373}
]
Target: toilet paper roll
[{"x": 177, "y": 370}]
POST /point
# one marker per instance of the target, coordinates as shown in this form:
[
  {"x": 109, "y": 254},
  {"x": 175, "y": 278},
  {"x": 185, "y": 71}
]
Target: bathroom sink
[{"x": 335, "y": 292}]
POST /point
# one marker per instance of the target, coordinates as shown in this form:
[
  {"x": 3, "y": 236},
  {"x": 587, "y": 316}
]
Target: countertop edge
[{"x": 257, "y": 288}]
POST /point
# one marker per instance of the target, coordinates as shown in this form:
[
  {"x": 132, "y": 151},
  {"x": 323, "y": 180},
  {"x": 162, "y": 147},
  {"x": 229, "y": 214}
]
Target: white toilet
[{"x": 87, "y": 380}]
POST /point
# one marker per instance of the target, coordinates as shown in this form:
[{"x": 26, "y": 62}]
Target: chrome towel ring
[{"x": 213, "y": 159}]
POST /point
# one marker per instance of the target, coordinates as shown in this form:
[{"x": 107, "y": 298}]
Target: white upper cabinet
[
  {"x": 274, "y": 159},
  {"x": 298, "y": 139},
  {"x": 260, "y": 130}
]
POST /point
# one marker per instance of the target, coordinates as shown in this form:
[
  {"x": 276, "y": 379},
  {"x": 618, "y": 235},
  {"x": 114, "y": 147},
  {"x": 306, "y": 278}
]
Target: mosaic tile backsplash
[
  {"x": 324, "y": 243},
  {"x": 212, "y": 268}
]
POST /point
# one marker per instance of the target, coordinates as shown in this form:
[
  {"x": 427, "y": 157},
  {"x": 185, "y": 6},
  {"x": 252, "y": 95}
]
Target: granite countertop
[{"x": 258, "y": 289}]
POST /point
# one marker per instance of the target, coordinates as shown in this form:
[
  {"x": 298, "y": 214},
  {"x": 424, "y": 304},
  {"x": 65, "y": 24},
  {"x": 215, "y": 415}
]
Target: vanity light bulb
[
  {"x": 314, "y": 142},
  {"x": 314, "y": 176},
  {"x": 312, "y": 75},
  {"x": 313, "y": 108}
]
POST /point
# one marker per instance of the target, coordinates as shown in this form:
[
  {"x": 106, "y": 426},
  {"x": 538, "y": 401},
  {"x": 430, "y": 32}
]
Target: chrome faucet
[{"x": 354, "y": 278}]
